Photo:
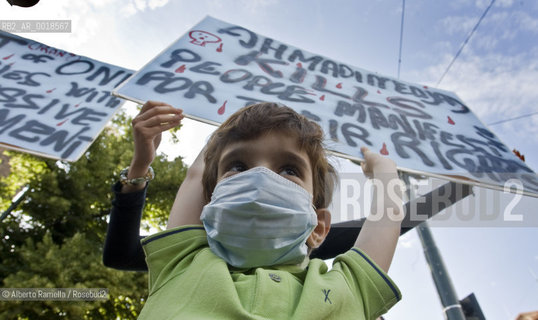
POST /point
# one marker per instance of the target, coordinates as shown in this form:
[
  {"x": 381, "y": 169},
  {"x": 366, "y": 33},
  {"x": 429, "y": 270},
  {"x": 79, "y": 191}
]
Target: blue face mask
[{"x": 259, "y": 218}]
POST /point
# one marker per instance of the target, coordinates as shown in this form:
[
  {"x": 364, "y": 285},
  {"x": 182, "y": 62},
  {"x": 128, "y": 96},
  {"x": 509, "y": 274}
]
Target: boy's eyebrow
[
  {"x": 244, "y": 150},
  {"x": 296, "y": 159},
  {"x": 234, "y": 153}
]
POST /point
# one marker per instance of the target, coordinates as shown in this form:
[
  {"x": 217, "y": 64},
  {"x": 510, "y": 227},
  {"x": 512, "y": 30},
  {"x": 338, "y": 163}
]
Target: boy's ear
[{"x": 322, "y": 229}]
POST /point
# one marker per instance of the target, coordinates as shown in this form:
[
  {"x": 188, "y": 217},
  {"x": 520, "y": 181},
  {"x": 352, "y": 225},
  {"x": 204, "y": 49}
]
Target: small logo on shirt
[
  {"x": 275, "y": 277},
  {"x": 326, "y": 293}
]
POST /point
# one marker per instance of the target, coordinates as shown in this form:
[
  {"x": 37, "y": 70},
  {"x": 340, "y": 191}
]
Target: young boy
[{"x": 244, "y": 255}]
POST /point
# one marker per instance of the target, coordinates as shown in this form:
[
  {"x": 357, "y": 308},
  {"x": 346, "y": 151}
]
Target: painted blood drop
[
  {"x": 222, "y": 109},
  {"x": 384, "y": 150}
]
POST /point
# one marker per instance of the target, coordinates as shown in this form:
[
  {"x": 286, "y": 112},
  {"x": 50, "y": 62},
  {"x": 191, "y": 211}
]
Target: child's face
[
  {"x": 281, "y": 153},
  {"x": 277, "y": 151}
]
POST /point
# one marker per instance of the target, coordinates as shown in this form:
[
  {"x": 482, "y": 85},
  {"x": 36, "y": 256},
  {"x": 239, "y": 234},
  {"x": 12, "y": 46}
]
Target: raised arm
[
  {"x": 189, "y": 200},
  {"x": 154, "y": 119},
  {"x": 380, "y": 232},
  {"x": 122, "y": 249}
]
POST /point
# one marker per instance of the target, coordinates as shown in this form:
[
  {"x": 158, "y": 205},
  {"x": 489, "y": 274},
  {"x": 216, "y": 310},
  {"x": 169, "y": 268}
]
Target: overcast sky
[{"x": 496, "y": 76}]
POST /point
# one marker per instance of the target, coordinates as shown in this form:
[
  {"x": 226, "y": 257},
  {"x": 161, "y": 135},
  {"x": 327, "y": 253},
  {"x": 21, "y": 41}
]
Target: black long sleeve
[{"x": 123, "y": 249}]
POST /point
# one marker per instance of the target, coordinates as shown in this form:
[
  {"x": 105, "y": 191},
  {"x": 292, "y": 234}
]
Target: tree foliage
[{"x": 55, "y": 237}]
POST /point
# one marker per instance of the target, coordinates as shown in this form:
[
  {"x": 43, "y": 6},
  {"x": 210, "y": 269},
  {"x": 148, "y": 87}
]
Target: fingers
[
  {"x": 368, "y": 155},
  {"x": 150, "y": 104},
  {"x": 375, "y": 161},
  {"x": 150, "y": 128},
  {"x": 157, "y": 119},
  {"x": 154, "y": 118},
  {"x": 164, "y": 126},
  {"x": 157, "y": 116},
  {"x": 365, "y": 151},
  {"x": 157, "y": 110},
  {"x": 364, "y": 167}
]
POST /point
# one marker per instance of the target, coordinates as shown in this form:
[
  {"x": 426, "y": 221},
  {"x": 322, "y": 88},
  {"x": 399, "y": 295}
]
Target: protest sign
[
  {"x": 53, "y": 103},
  {"x": 216, "y": 68}
]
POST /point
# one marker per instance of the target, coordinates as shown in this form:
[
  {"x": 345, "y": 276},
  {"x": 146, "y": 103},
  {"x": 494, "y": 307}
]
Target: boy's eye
[
  {"x": 291, "y": 171},
  {"x": 237, "y": 167},
  {"x": 233, "y": 168}
]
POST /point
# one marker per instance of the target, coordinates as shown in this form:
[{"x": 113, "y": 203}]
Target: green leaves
[
  {"x": 54, "y": 238},
  {"x": 75, "y": 264}
]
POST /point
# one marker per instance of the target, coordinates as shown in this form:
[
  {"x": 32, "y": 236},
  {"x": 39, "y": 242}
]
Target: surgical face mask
[{"x": 258, "y": 218}]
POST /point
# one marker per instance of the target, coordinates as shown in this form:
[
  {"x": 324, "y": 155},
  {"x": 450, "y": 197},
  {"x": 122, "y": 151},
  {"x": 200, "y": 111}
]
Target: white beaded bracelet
[{"x": 136, "y": 181}]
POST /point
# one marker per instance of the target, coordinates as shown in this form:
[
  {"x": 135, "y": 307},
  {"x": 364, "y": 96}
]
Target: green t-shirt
[{"x": 187, "y": 281}]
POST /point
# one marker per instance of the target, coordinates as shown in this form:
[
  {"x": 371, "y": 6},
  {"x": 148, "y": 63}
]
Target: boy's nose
[{"x": 267, "y": 165}]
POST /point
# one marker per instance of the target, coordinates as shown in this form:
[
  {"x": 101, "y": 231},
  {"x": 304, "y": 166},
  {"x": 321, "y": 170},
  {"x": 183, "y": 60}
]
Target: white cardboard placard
[
  {"x": 217, "y": 68},
  {"x": 53, "y": 103}
]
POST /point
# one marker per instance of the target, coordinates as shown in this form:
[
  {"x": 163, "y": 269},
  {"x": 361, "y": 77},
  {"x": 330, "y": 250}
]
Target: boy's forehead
[{"x": 282, "y": 141}]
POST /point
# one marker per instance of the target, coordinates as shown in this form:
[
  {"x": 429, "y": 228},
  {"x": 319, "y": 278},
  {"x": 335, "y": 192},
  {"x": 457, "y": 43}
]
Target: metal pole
[
  {"x": 15, "y": 202},
  {"x": 451, "y": 305}
]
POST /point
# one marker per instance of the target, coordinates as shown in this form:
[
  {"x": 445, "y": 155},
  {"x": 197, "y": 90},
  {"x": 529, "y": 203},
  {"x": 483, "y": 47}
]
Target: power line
[
  {"x": 465, "y": 42},
  {"x": 401, "y": 38},
  {"x": 515, "y": 118}
]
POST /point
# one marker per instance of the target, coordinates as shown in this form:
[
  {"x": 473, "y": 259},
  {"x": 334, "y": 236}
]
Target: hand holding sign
[
  {"x": 154, "y": 118},
  {"x": 374, "y": 162}
]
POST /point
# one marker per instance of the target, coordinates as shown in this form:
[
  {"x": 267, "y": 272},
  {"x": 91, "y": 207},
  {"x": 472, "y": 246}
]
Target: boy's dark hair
[{"x": 250, "y": 123}]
